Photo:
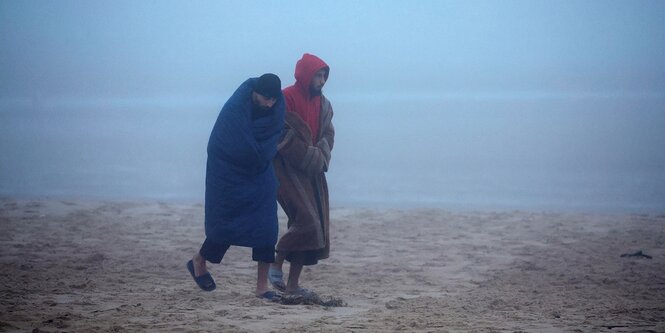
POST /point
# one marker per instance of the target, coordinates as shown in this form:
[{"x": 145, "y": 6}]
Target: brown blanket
[{"x": 303, "y": 192}]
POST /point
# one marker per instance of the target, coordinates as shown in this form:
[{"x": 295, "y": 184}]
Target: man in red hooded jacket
[{"x": 301, "y": 162}]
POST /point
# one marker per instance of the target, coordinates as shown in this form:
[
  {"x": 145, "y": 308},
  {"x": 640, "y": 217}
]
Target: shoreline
[{"x": 377, "y": 206}]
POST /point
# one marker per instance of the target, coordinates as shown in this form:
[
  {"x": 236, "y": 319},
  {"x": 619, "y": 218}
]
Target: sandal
[
  {"x": 205, "y": 281},
  {"x": 270, "y": 295},
  {"x": 275, "y": 277}
]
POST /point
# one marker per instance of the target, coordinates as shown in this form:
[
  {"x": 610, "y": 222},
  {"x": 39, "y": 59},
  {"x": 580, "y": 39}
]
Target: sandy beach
[{"x": 84, "y": 266}]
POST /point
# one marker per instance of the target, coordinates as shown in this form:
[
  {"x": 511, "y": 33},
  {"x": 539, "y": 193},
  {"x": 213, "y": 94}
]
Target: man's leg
[
  {"x": 275, "y": 274},
  {"x": 262, "y": 278},
  {"x": 210, "y": 251},
  {"x": 279, "y": 261},
  {"x": 264, "y": 257},
  {"x": 199, "y": 264},
  {"x": 294, "y": 276},
  {"x": 298, "y": 260}
]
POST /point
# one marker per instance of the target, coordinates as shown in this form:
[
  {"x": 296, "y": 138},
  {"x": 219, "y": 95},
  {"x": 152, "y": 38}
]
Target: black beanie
[{"x": 268, "y": 85}]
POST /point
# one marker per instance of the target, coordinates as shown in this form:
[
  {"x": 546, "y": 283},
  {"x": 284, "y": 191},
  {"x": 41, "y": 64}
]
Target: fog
[{"x": 453, "y": 104}]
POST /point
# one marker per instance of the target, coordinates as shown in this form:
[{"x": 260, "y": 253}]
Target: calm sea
[{"x": 539, "y": 152}]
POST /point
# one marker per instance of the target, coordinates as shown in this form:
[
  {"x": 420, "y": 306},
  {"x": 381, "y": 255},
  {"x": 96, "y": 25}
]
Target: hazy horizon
[{"x": 511, "y": 104}]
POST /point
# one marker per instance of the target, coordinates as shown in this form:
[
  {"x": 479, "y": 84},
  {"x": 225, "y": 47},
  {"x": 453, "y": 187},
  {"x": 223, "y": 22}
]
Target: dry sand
[{"x": 77, "y": 266}]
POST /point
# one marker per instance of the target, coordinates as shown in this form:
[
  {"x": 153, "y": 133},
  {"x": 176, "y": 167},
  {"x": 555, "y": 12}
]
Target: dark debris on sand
[
  {"x": 311, "y": 299},
  {"x": 637, "y": 254}
]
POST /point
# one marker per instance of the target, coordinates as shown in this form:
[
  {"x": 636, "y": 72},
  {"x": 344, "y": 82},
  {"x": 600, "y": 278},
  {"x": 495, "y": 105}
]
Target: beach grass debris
[
  {"x": 637, "y": 254},
  {"x": 312, "y": 299}
]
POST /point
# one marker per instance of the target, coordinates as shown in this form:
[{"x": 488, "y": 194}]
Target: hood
[{"x": 306, "y": 67}]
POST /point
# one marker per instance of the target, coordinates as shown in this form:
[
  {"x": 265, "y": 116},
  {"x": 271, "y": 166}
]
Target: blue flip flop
[
  {"x": 270, "y": 295},
  {"x": 205, "y": 281},
  {"x": 275, "y": 277}
]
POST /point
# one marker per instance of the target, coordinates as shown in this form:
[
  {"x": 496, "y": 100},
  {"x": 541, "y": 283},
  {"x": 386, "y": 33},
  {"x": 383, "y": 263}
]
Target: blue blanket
[{"x": 241, "y": 186}]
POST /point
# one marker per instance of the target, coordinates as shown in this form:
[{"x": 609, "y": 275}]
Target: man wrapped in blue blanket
[{"x": 241, "y": 186}]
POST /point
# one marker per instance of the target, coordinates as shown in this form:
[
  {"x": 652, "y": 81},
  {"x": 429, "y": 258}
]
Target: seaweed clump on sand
[{"x": 312, "y": 299}]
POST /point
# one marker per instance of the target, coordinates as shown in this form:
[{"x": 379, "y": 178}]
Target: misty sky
[
  {"x": 502, "y": 103},
  {"x": 187, "y": 50}
]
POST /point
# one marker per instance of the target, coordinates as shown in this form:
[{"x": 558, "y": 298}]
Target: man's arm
[
  {"x": 327, "y": 140},
  {"x": 297, "y": 150}
]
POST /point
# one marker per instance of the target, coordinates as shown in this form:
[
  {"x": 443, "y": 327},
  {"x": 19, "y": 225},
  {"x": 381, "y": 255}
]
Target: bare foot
[{"x": 259, "y": 292}]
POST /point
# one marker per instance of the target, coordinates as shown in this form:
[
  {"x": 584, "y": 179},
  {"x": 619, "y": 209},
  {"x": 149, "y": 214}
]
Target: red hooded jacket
[{"x": 298, "y": 97}]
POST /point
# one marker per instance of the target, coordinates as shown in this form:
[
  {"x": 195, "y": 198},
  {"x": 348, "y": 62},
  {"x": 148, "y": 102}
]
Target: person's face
[
  {"x": 261, "y": 102},
  {"x": 318, "y": 81}
]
